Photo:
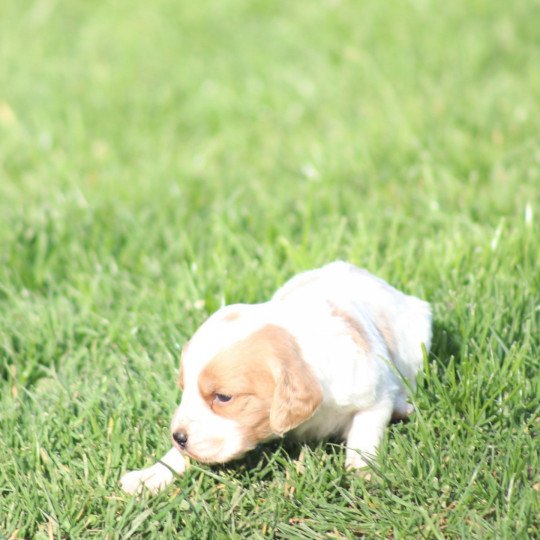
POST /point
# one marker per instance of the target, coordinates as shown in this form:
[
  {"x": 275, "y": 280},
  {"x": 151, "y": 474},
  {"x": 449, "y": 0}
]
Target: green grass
[{"x": 158, "y": 159}]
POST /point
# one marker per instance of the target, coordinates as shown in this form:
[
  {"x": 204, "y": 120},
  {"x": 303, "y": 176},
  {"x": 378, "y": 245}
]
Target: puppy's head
[{"x": 249, "y": 388}]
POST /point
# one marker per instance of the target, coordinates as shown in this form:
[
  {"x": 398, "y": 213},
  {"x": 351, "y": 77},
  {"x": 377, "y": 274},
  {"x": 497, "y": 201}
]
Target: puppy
[{"x": 333, "y": 353}]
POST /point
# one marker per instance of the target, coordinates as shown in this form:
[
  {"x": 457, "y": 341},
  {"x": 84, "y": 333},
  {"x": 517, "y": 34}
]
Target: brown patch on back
[
  {"x": 356, "y": 330},
  {"x": 387, "y": 333},
  {"x": 273, "y": 389},
  {"x": 381, "y": 320},
  {"x": 232, "y": 316}
]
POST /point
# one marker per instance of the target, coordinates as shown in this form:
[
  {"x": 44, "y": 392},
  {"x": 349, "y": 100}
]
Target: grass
[{"x": 159, "y": 159}]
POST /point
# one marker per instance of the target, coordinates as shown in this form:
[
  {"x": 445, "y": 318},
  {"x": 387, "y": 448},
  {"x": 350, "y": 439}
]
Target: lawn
[{"x": 159, "y": 159}]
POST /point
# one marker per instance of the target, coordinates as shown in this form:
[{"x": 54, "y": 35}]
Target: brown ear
[{"x": 297, "y": 394}]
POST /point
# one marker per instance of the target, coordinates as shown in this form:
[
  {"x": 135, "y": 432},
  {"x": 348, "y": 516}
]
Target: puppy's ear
[{"x": 297, "y": 393}]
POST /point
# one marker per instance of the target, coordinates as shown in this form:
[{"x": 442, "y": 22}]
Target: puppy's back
[{"x": 403, "y": 322}]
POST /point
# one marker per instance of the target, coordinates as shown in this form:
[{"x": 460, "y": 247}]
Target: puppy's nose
[{"x": 180, "y": 437}]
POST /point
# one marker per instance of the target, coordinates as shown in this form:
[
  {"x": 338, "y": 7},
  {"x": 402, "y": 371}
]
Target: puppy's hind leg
[
  {"x": 365, "y": 434},
  {"x": 402, "y": 408}
]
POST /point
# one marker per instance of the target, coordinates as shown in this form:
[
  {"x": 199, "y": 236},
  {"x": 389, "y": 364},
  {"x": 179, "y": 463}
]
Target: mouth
[
  {"x": 187, "y": 450},
  {"x": 178, "y": 447},
  {"x": 214, "y": 457}
]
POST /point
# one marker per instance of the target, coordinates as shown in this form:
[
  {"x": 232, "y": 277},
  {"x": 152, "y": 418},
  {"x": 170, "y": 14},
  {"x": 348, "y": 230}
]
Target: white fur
[
  {"x": 156, "y": 477},
  {"x": 361, "y": 391}
]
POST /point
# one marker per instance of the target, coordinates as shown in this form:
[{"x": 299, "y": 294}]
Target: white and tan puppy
[{"x": 320, "y": 359}]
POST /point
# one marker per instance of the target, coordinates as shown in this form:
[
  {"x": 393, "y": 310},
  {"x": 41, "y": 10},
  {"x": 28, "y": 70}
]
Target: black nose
[{"x": 181, "y": 438}]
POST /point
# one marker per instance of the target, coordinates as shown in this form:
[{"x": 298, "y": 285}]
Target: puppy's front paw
[
  {"x": 355, "y": 460},
  {"x": 154, "y": 479}
]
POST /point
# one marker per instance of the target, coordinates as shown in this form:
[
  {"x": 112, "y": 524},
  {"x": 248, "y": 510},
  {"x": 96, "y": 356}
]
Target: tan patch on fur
[
  {"x": 180, "y": 380},
  {"x": 231, "y": 316},
  {"x": 272, "y": 388},
  {"x": 381, "y": 321},
  {"x": 356, "y": 330},
  {"x": 383, "y": 325},
  {"x": 181, "y": 369}
]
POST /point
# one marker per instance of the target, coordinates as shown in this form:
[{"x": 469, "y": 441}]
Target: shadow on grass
[
  {"x": 263, "y": 455},
  {"x": 270, "y": 460}
]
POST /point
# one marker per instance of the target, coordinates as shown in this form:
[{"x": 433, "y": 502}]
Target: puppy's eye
[{"x": 222, "y": 398}]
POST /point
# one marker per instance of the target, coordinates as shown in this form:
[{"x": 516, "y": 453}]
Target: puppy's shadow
[
  {"x": 262, "y": 458},
  {"x": 270, "y": 458}
]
